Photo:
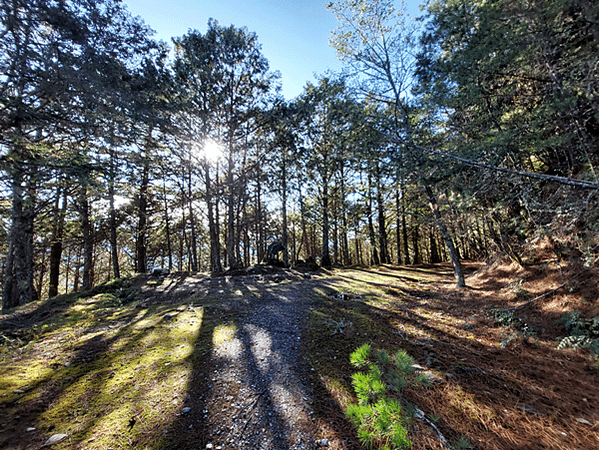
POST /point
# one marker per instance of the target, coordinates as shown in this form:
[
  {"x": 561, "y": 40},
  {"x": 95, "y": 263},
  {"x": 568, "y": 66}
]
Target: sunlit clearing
[{"x": 212, "y": 150}]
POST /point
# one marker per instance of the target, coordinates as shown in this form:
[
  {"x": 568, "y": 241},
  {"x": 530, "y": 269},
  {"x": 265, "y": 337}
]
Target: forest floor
[{"x": 261, "y": 360}]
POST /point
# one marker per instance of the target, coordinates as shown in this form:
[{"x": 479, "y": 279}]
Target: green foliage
[
  {"x": 359, "y": 358},
  {"x": 461, "y": 443},
  {"x": 516, "y": 327},
  {"x": 584, "y": 333},
  {"x": 506, "y": 318},
  {"x": 379, "y": 417}
]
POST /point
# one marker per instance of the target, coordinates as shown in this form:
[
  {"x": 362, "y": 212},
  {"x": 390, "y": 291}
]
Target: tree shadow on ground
[{"x": 499, "y": 397}]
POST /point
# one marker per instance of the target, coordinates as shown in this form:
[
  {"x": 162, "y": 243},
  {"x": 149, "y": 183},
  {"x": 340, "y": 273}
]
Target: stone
[
  {"x": 55, "y": 439},
  {"x": 433, "y": 378},
  {"x": 324, "y": 443},
  {"x": 186, "y": 410},
  {"x": 584, "y": 421}
]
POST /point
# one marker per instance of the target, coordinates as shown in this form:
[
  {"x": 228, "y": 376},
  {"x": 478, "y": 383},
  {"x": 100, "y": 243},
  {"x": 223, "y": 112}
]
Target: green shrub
[
  {"x": 583, "y": 333},
  {"x": 379, "y": 416}
]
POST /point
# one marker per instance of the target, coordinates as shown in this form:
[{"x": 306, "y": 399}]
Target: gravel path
[{"x": 259, "y": 394}]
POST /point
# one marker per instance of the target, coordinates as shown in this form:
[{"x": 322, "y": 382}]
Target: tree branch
[{"x": 538, "y": 176}]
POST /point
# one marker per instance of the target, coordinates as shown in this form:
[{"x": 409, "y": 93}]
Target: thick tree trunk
[
  {"x": 304, "y": 238},
  {"x": 455, "y": 260},
  {"x": 19, "y": 287}
]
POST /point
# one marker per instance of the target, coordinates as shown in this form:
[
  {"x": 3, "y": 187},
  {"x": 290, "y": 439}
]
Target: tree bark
[
  {"x": 375, "y": 255},
  {"x": 455, "y": 260},
  {"x": 397, "y": 226},
  {"x": 383, "y": 244},
  {"x": 142, "y": 222},
  {"x": 56, "y": 245},
  {"x": 326, "y": 256},
  {"x": 87, "y": 279},
  {"x": 284, "y": 213},
  {"x": 215, "y": 264},
  {"x": 114, "y": 251},
  {"x": 19, "y": 287},
  {"x": 167, "y": 227}
]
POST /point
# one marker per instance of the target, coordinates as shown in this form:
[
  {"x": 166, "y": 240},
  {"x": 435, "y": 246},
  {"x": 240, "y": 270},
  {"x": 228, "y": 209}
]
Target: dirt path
[
  {"x": 260, "y": 397},
  {"x": 254, "y": 391}
]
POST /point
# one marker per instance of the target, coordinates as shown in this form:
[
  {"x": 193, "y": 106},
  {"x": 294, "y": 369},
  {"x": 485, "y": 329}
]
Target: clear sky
[{"x": 294, "y": 34}]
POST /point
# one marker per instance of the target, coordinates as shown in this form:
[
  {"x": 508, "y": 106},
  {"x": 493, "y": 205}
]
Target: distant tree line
[{"x": 464, "y": 134}]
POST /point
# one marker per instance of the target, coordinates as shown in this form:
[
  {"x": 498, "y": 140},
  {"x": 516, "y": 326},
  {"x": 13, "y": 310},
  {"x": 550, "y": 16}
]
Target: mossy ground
[{"x": 116, "y": 367}]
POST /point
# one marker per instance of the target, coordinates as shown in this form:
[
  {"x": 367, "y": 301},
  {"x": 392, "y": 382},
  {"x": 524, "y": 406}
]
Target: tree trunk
[
  {"x": 344, "y": 225},
  {"x": 168, "y": 227},
  {"x": 284, "y": 213},
  {"x": 56, "y": 245},
  {"x": 142, "y": 223},
  {"x": 304, "y": 239},
  {"x": 114, "y": 251},
  {"x": 326, "y": 256},
  {"x": 397, "y": 226},
  {"x": 192, "y": 225},
  {"x": 375, "y": 255},
  {"x": 260, "y": 245},
  {"x": 435, "y": 258},
  {"x": 86, "y": 282},
  {"x": 457, "y": 267},
  {"x": 19, "y": 286},
  {"x": 215, "y": 264},
  {"x": 231, "y": 254},
  {"x": 415, "y": 239},
  {"x": 383, "y": 246},
  {"x": 404, "y": 229}
]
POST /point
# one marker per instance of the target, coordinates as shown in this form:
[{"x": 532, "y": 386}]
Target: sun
[{"x": 212, "y": 150}]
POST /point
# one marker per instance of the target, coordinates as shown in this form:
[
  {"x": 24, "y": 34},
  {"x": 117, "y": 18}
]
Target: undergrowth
[
  {"x": 583, "y": 333},
  {"x": 516, "y": 328},
  {"x": 378, "y": 415}
]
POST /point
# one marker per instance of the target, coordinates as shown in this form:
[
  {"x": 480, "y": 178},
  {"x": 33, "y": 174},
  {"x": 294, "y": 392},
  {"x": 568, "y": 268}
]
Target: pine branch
[{"x": 538, "y": 176}]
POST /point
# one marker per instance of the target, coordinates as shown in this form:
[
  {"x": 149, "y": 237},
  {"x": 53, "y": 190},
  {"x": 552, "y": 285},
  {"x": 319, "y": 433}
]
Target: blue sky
[{"x": 294, "y": 34}]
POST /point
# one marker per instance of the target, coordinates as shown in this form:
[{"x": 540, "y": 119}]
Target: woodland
[
  {"x": 404, "y": 255},
  {"x": 470, "y": 132}
]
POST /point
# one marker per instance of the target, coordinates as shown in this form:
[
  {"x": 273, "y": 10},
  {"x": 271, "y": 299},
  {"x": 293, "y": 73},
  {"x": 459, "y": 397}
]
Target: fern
[{"x": 584, "y": 333}]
